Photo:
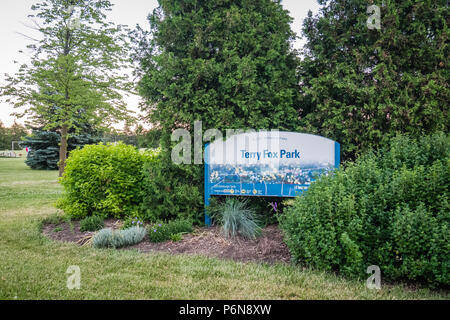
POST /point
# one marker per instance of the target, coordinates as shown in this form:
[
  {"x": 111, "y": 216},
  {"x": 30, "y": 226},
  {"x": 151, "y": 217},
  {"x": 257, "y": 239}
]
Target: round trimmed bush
[
  {"x": 389, "y": 208},
  {"x": 103, "y": 180}
]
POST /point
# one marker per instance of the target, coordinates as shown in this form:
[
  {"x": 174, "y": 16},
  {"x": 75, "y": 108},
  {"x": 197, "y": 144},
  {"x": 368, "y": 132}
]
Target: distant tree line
[
  {"x": 139, "y": 137},
  {"x": 9, "y": 134}
]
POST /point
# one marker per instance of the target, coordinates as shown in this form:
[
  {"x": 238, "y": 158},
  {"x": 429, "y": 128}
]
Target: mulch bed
[{"x": 267, "y": 248}]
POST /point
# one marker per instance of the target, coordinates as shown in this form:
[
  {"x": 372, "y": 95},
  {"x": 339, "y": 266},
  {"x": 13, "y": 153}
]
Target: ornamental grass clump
[
  {"x": 108, "y": 238},
  {"x": 236, "y": 218}
]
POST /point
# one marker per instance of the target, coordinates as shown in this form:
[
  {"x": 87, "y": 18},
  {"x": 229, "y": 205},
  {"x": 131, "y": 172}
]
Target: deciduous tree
[{"x": 74, "y": 76}]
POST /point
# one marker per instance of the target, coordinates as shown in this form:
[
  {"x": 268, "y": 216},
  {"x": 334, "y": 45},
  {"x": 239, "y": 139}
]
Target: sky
[{"x": 13, "y": 21}]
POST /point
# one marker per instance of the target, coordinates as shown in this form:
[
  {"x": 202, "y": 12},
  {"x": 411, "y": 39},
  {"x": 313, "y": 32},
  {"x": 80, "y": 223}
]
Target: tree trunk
[{"x": 63, "y": 149}]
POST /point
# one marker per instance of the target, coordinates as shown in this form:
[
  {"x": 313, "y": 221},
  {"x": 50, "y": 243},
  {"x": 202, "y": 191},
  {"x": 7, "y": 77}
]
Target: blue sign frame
[{"x": 233, "y": 185}]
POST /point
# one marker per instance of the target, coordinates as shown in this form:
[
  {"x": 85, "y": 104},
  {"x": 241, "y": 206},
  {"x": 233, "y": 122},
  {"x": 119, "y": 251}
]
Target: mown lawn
[{"x": 33, "y": 267}]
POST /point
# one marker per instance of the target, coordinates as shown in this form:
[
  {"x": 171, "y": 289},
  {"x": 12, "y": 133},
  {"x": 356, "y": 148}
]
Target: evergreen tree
[
  {"x": 362, "y": 86},
  {"x": 228, "y": 63},
  {"x": 43, "y": 151},
  {"x": 151, "y": 138},
  {"x": 44, "y": 146}
]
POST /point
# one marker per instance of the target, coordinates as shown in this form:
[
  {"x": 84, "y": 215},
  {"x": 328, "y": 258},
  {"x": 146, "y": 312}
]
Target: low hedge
[{"x": 389, "y": 208}]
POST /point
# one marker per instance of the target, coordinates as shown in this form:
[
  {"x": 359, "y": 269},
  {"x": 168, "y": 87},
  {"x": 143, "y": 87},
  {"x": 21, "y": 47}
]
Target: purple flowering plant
[
  {"x": 133, "y": 222},
  {"x": 158, "y": 232},
  {"x": 274, "y": 206},
  {"x": 164, "y": 231}
]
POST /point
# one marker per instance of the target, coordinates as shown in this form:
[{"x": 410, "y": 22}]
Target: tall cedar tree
[
  {"x": 72, "y": 78},
  {"x": 227, "y": 63},
  {"x": 362, "y": 86}
]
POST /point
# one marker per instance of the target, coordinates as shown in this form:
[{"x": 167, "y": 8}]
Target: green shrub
[
  {"x": 235, "y": 218},
  {"x": 92, "y": 223},
  {"x": 160, "y": 232},
  {"x": 171, "y": 191},
  {"x": 104, "y": 180},
  {"x": 180, "y": 226},
  {"x": 176, "y": 237},
  {"x": 389, "y": 208},
  {"x": 108, "y": 238}
]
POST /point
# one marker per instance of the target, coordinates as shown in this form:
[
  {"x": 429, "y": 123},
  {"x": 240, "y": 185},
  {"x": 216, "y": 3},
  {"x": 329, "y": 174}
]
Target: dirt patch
[
  {"x": 70, "y": 232},
  {"x": 268, "y": 247}
]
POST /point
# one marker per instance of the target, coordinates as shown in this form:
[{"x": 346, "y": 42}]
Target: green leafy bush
[
  {"x": 92, "y": 223},
  {"x": 108, "y": 238},
  {"x": 235, "y": 218},
  {"x": 160, "y": 232},
  {"x": 104, "y": 180},
  {"x": 389, "y": 208}
]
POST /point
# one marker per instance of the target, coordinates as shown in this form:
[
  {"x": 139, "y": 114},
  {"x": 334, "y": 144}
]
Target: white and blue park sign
[{"x": 267, "y": 163}]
